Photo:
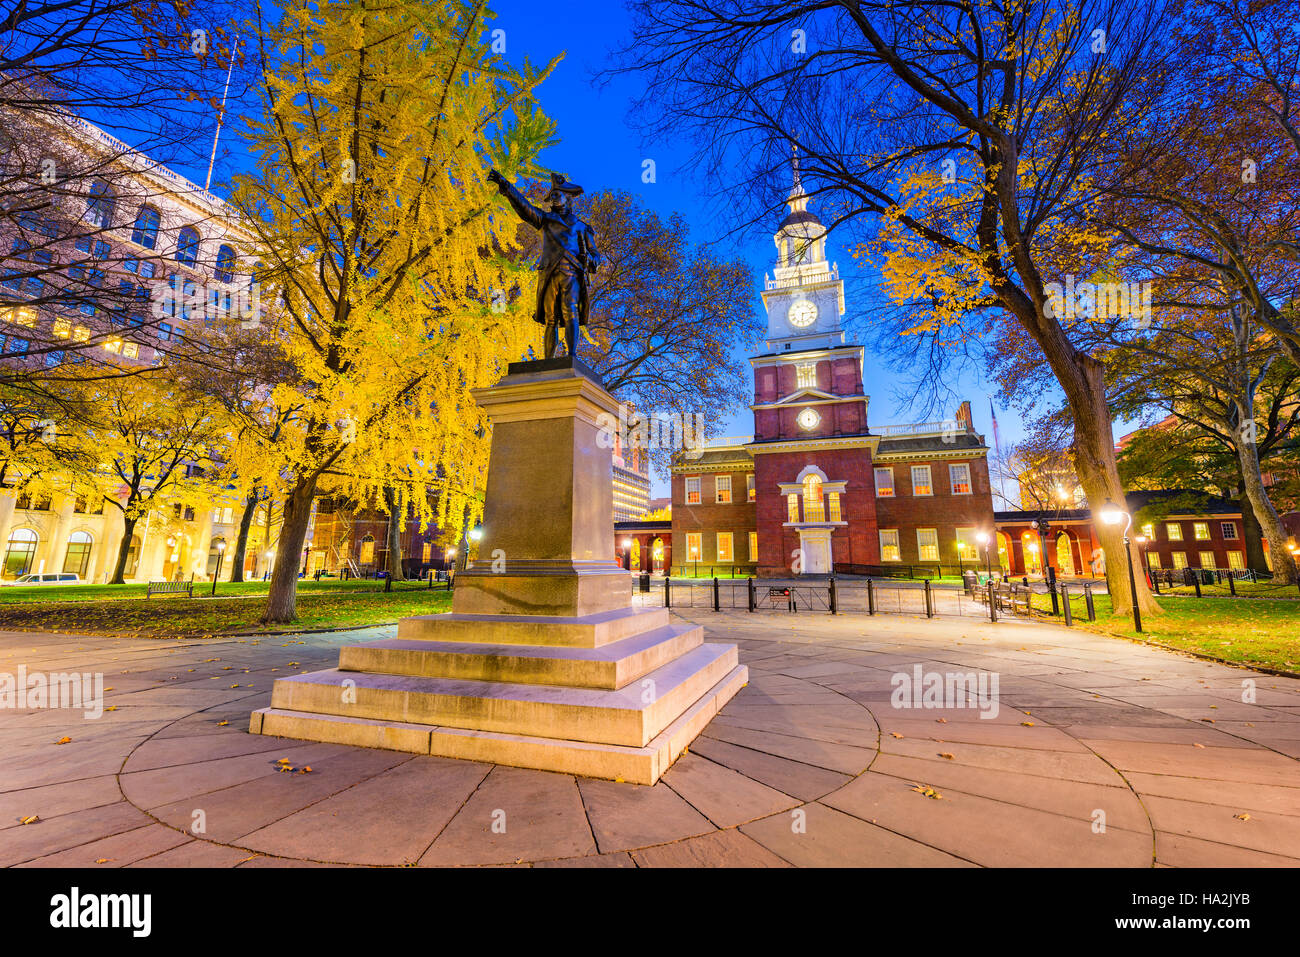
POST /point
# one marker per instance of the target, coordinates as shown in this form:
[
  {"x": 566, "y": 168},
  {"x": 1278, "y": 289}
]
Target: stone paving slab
[{"x": 811, "y": 764}]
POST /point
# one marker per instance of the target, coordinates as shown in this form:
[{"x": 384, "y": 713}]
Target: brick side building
[{"x": 815, "y": 488}]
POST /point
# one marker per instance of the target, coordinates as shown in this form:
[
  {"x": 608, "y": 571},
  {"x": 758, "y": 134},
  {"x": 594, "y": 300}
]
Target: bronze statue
[{"x": 568, "y": 253}]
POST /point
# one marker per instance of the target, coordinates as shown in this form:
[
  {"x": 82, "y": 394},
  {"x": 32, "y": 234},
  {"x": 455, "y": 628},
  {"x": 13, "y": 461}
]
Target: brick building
[{"x": 815, "y": 488}]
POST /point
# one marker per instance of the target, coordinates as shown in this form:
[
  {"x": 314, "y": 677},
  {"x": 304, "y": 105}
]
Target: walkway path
[{"x": 1102, "y": 752}]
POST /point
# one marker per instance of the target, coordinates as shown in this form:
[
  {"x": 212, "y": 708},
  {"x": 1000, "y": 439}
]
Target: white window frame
[
  {"x": 721, "y": 482},
  {"x": 920, "y": 548},
  {"x": 692, "y": 480},
  {"x": 952, "y": 479},
  {"x": 1237, "y": 560},
  {"x": 898, "y": 548},
  {"x": 753, "y": 546},
  {"x": 730, "y": 539},
  {"x": 929, "y": 481},
  {"x": 1174, "y": 531},
  {"x": 1179, "y": 560},
  {"x": 885, "y": 491},
  {"x": 750, "y": 492},
  {"x": 1229, "y": 531},
  {"x": 1196, "y": 531},
  {"x": 695, "y": 543}
]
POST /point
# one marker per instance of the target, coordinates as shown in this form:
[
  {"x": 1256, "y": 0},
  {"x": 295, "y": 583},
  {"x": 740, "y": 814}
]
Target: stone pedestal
[{"x": 543, "y": 661}]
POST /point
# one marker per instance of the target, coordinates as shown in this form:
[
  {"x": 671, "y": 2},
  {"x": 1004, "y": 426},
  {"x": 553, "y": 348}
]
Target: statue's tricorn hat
[{"x": 561, "y": 185}]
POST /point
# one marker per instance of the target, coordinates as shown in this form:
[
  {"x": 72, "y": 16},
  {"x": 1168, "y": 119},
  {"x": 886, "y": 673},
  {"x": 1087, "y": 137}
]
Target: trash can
[
  {"x": 969, "y": 581},
  {"x": 645, "y": 582}
]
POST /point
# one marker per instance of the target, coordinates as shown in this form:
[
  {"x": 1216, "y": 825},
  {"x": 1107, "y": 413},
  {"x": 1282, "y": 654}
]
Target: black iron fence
[{"x": 915, "y": 572}]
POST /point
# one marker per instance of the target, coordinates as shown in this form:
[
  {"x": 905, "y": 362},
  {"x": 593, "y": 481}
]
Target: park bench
[{"x": 170, "y": 588}]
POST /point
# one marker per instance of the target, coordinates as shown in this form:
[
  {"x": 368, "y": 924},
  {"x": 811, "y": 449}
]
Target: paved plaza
[{"x": 1102, "y": 752}]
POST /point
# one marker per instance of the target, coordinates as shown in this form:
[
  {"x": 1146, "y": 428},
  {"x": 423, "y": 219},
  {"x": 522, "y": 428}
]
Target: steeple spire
[{"x": 798, "y": 199}]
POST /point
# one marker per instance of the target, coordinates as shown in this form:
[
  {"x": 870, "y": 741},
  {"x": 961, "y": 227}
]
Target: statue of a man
[{"x": 568, "y": 253}]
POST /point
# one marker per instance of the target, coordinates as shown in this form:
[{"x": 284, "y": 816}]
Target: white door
[{"x": 816, "y": 551}]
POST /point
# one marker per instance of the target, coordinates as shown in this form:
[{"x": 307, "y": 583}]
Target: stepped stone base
[{"x": 542, "y": 662}]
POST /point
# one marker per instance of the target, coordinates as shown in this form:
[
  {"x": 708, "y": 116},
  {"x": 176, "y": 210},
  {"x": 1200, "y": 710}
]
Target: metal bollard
[
  {"x": 668, "y": 592},
  {"x": 929, "y": 600},
  {"x": 1196, "y": 583},
  {"x": 1087, "y": 600},
  {"x": 1065, "y": 606},
  {"x": 1232, "y": 584},
  {"x": 1155, "y": 583},
  {"x": 753, "y": 601},
  {"x": 871, "y": 597},
  {"x": 716, "y": 606},
  {"x": 1051, "y": 590},
  {"x": 993, "y": 602},
  {"x": 832, "y": 595}
]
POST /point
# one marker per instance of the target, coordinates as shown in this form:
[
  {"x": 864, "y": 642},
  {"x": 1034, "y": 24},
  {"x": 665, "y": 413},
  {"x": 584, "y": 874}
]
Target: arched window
[
  {"x": 187, "y": 246},
  {"x": 367, "y": 550},
  {"x": 813, "y": 510},
  {"x": 100, "y": 204},
  {"x": 19, "y": 553},
  {"x": 77, "y": 559},
  {"x": 145, "y": 232},
  {"x": 1064, "y": 556},
  {"x": 215, "y": 550},
  {"x": 225, "y": 271}
]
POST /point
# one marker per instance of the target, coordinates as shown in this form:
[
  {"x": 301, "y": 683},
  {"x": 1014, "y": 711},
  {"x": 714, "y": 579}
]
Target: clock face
[
  {"x": 802, "y": 313},
  {"x": 808, "y": 419}
]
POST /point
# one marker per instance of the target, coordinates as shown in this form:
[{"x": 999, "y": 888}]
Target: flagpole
[
  {"x": 997, "y": 450},
  {"x": 221, "y": 114}
]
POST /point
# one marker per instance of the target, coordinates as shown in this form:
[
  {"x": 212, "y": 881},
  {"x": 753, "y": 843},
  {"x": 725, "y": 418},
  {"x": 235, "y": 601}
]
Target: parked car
[{"x": 62, "y": 578}]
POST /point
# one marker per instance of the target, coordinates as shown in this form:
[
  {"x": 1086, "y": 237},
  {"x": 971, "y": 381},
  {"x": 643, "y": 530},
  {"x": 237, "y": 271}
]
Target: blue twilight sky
[{"x": 599, "y": 149}]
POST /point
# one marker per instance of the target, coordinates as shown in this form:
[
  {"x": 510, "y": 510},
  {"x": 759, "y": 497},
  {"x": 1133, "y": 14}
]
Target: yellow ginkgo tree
[{"x": 384, "y": 252}]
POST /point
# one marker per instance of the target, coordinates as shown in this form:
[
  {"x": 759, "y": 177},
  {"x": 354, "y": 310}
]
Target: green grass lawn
[
  {"x": 11, "y": 594},
  {"x": 1245, "y": 589},
  {"x": 1238, "y": 630},
  {"x": 235, "y": 609}
]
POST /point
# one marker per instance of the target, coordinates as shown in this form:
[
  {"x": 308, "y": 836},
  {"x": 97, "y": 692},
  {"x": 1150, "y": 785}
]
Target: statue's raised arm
[{"x": 568, "y": 254}]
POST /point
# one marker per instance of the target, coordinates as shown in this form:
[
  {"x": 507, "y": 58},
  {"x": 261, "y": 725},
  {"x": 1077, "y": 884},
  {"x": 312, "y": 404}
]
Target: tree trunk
[
  {"x": 1284, "y": 570},
  {"x": 1081, "y": 377},
  {"x": 396, "y": 515},
  {"x": 241, "y": 542},
  {"x": 281, "y": 605},
  {"x": 123, "y": 549},
  {"x": 1251, "y": 534}
]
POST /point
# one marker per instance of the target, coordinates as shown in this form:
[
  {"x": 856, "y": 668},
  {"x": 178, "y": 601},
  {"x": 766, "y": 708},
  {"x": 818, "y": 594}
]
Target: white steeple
[{"x": 804, "y": 297}]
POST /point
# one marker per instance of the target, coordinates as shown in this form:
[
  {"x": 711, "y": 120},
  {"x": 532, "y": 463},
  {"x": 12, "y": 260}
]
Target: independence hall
[{"x": 815, "y": 488}]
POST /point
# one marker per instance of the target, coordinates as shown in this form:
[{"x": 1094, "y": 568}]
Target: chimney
[{"x": 963, "y": 416}]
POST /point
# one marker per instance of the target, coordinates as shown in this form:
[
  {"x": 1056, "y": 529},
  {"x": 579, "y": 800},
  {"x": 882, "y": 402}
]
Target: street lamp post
[
  {"x": 221, "y": 551},
  {"x": 1146, "y": 564},
  {"x": 627, "y": 554},
  {"x": 983, "y": 539},
  {"x": 1112, "y": 514}
]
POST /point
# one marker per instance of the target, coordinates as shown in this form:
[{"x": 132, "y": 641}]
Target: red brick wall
[
  {"x": 941, "y": 511},
  {"x": 710, "y": 517}
]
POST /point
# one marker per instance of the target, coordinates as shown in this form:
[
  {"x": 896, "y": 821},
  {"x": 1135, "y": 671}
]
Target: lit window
[
  {"x": 113, "y": 345},
  {"x": 62, "y": 328},
  {"x": 1180, "y": 559},
  {"x": 889, "y": 545},
  {"x": 792, "y": 507},
  {"x": 228, "y": 514},
  {"x": 692, "y": 490},
  {"x": 833, "y": 506},
  {"x": 1153, "y": 559},
  {"x": 921, "y": 480},
  {"x": 693, "y": 546},
  {"x": 19, "y": 315},
  {"x": 1175, "y": 531},
  {"x": 131, "y": 350},
  {"x": 80, "y": 334},
  {"x": 959, "y": 476},
  {"x": 1229, "y": 530},
  {"x": 1207, "y": 560},
  {"x": 724, "y": 547},
  {"x": 750, "y": 493},
  {"x": 1201, "y": 531},
  {"x": 807, "y": 375},
  {"x": 1149, "y": 530},
  {"x": 966, "y": 547},
  {"x": 813, "y": 510},
  {"x": 753, "y": 546},
  {"x": 1236, "y": 561},
  {"x": 927, "y": 544},
  {"x": 884, "y": 483},
  {"x": 722, "y": 489}
]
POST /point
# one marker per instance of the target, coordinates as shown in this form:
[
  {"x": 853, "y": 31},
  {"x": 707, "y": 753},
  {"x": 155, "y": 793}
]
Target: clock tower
[
  {"x": 812, "y": 449},
  {"x": 804, "y": 296}
]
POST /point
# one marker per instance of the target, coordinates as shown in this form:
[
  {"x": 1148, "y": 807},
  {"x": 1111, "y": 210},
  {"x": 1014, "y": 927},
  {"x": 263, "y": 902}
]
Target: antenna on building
[{"x": 207, "y": 183}]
